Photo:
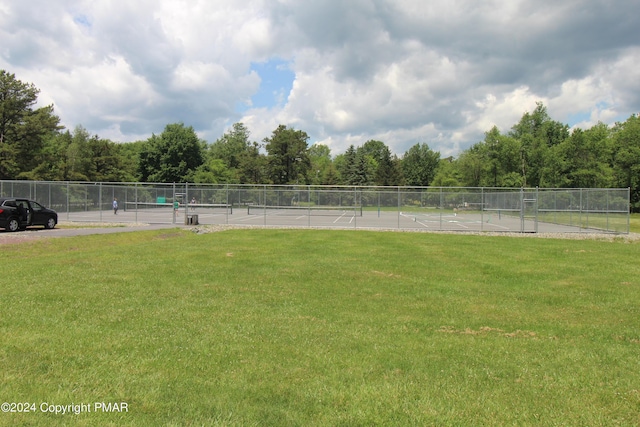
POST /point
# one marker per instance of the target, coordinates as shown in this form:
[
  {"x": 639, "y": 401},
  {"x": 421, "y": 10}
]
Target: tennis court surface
[{"x": 350, "y": 217}]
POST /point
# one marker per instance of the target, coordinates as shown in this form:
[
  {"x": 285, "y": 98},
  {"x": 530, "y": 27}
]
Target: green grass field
[
  {"x": 634, "y": 223},
  {"x": 321, "y": 328}
]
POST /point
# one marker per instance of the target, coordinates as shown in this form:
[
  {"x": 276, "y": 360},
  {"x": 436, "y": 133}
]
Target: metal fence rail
[{"x": 524, "y": 210}]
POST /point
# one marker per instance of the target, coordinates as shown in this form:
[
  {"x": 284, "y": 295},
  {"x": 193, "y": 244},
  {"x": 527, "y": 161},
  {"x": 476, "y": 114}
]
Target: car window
[
  {"x": 11, "y": 203},
  {"x": 36, "y": 206},
  {"x": 24, "y": 204}
]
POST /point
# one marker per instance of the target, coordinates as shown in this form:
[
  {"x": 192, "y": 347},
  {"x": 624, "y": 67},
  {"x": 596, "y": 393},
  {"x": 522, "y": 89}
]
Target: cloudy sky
[{"x": 440, "y": 72}]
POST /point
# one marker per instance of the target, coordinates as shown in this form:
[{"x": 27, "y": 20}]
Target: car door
[
  {"x": 25, "y": 211},
  {"x": 39, "y": 216}
]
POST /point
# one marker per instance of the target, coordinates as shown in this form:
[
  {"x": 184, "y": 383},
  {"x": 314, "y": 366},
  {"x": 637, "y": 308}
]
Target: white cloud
[
  {"x": 405, "y": 71},
  {"x": 503, "y": 111}
]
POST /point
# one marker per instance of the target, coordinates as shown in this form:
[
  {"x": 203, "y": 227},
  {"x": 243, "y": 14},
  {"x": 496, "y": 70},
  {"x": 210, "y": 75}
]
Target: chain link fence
[{"x": 526, "y": 210}]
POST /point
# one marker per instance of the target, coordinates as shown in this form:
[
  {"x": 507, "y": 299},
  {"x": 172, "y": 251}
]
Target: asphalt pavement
[{"x": 36, "y": 233}]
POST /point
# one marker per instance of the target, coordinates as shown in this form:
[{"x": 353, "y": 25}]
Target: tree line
[{"x": 536, "y": 151}]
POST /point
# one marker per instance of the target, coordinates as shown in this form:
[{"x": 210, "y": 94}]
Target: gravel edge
[
  {"x": 631, "y": 237},
  {"x": 6, "y": 237}
]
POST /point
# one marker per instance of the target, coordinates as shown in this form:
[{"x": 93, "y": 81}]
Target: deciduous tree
[
  {"x": 626, "y": 157},
  {"x": 419, "y": 165},
  {"x": 172, "y": 156}
]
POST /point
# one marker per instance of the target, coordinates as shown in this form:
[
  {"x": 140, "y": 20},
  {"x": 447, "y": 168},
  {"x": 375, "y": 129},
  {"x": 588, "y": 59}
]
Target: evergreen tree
[
  {"x": 23, "y": 130},
  {"x": 288, "y": 160}
]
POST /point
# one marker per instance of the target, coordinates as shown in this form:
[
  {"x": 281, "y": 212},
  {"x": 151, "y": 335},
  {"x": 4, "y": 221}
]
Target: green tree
[
  {"x": 354, "y": 166},
  {"x": 52, "y": 159},
  {"x": 213, "y": 171},
  {"x": 373, "y": 152},
  {"x": 586, "y": 158},
  {"x": 80, "y": 165},
  {"x": 288, "y": 157},
  {"x": 130, "y": 159},
  {"x": 332, "y": 177},
  {"x": 472, "y": 166},
  {"x": 380, "y": 166},
  {"x": 537, "y": 134},
  {"x": 626, "y": 157},
  {"x": 503, "y": 160},
  {"x": 346, "y": 165},
  {"x": 253, "y": 165},
  {"x": 398, "y": 172},
  {"x": 230, "y": 148},
  {"x": 419, "y": 165},
  {"x": 447, "y": 174},
  {"x": 23, "y": 130},
  {"x": 360, "y": 172},
  {"x": 387, "y": 172},
  {"x": 173, "y": 156},
  {"x": 320, "y": 156},
  {"x": 108, "y": 161}
]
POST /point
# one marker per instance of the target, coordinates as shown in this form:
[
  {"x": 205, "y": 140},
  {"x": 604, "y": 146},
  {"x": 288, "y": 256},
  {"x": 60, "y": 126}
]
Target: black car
[{"x": 18, "y": 214}]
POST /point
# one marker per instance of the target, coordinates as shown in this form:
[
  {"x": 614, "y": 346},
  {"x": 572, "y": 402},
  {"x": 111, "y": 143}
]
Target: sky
[{"x": 404, "y": 72}]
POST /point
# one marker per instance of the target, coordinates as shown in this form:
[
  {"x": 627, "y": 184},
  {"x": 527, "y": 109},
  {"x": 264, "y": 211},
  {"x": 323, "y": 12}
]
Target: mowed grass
[
  {"x": 322, "y": 328},
  {"x": 634, "y": 223}
]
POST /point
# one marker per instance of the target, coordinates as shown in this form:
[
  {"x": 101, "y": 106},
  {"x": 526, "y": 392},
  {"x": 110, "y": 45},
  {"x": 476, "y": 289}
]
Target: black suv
[{"x": 18, "y": 214}]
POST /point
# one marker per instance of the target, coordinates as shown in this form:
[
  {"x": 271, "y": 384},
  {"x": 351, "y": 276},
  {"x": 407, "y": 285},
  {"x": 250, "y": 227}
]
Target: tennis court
[
  {"x": 523, "y": 210},
  {"x": 328, "y": 217}
]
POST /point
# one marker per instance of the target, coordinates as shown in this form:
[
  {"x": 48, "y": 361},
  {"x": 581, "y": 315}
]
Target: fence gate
[{"x": 529, "y": 215}]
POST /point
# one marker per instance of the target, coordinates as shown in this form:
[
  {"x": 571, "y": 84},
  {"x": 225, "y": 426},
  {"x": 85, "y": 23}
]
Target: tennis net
[
  {"x": 168, "y": 207},
  {"x": 349, "y": 211}
]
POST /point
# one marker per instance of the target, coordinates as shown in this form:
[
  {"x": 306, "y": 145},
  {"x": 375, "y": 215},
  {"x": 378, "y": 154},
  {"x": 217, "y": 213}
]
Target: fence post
[
  {"x": 522, "y": 210},
  {"x": 536, "y": 208},
  {"x": 186, "y": 201},
  {"x": 227, "y": 203},
  {"x": 441, "y": 208},
  {"x": 399, "y": 207},
  {"x": 309, "y": 205},
  {"x": 100, "y": 202},
  {"x": 580, "y": 213},
  {"x": 481, "y": 208},
  {"x": 136, "y": 200},
  {"x": 628, "y": 210}
]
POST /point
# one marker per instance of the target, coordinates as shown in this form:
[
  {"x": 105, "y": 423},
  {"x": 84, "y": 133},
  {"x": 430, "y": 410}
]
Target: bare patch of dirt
[
  {"x": 486, "y": 330},
  {"x": 7, "y": 238},
  {"x": 168, "y": 236}
]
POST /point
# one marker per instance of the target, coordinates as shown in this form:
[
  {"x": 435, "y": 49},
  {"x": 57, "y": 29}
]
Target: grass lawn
[
  {"x": 321, "y": 327},
  {"x": 634, "y": 223}
]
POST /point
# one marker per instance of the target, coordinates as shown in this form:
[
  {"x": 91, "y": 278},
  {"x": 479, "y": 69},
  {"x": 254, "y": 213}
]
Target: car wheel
[
  {"x": 51, "y": 223},
  {"x": 13, "y": 225}
]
